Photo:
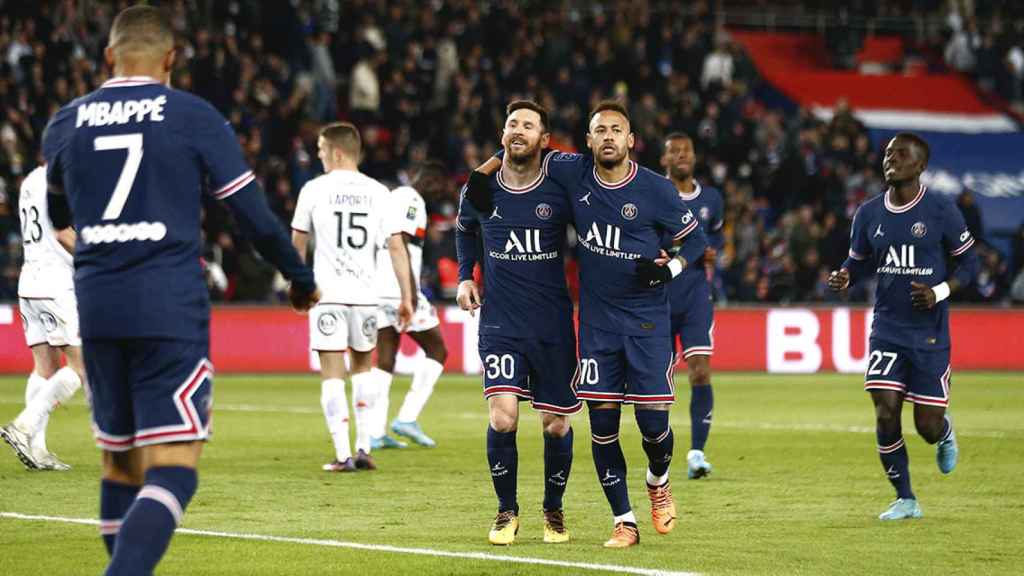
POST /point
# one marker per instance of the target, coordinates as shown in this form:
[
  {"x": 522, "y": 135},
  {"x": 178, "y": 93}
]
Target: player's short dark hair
[
  {"x": 917, "y": 141},
  {"x": 430, "y": 169},
  {"x": 344, "y": 136},
  {"x": 141, "y": 28},
  {"x": 529, "y": 105},
  {"x": 677, "y": 135},
  {"x": 612, "y": 105}
]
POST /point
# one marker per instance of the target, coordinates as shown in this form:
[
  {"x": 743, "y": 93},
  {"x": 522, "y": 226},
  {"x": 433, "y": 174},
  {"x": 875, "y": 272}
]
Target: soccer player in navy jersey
[
  {"x": 690, "y": 295},
  {"x": 527, "y": 341},
  {"x": 904, "y": 236},
  {"x": 127, "y": 165},
  {"x": 623, "y": 214}
]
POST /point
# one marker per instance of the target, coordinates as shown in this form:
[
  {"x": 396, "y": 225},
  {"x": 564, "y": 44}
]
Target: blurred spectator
[{"x": 431, "y": 80}]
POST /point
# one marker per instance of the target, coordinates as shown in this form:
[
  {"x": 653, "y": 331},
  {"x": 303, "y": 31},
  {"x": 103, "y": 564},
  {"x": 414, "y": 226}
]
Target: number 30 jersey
[
  {"x": 133, "y": 158},
  {"x": 347, "y": 213}
]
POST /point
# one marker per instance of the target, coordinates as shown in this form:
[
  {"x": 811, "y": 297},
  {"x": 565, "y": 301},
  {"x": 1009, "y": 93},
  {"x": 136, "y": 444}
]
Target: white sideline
[
  {"x": 482, "y": 416},
  {"x": 482, "y": 556}
]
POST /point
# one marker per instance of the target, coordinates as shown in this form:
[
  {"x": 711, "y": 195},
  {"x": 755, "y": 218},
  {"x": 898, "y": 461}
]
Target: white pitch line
[
  {"x": 482, "y": 416},
  {"x": 482, "y": 556}
]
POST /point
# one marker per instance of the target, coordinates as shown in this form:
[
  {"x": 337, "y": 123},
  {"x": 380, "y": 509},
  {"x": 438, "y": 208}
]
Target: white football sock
[
  {"x": 380, "y": 409},
  {"x": 364, "y": 396},
  {"x": 335, "y": 406},
  {"x": 57, "y": 390},
  {"x": 35, "y": 385},
  {"x": 423, "y": 379}
]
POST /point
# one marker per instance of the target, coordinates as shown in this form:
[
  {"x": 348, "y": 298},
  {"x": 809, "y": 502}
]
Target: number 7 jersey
[
  {"x": 133, "y": 158},
  {"x": 347, "y": 213}
]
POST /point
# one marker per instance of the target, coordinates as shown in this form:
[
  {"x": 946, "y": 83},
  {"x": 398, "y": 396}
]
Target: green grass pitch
[{"x": 796, "y": 488}]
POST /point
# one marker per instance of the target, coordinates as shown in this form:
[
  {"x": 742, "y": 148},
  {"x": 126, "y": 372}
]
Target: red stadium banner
[{"x": 778, "y": 340}]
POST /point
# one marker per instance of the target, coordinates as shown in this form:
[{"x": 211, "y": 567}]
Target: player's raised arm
[
  {"x": 858, "y": 263},
  {"x": 466, "y": 240}
]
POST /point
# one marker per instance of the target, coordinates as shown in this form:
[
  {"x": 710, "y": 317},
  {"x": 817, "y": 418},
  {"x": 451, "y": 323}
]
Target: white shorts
[
  {"x": 52, "y": 321},
  {"x": 337, "y": 327},
  {"x": 423, "y": 318}
]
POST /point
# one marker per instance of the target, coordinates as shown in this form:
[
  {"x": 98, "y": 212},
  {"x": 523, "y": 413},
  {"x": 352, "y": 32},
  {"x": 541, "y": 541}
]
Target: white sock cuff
[
  {"x": 68, "y": 383},
  {"x": 627, "y": 517},
  {"x": 656, "y": 480},
  {"x": 34, "y": 385}
]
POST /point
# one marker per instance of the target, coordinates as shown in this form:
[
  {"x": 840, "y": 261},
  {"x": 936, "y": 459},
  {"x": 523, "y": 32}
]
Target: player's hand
[
  {"x": 405, "y": 312},
  {"x": 922, "y": 296},
  {"x": 468, "y": 296},
  {"x": 710, "y": 256},
  {"x": 651, "y": 273},
  {"x": 301, "y": 300},
  {"x": 478, "y": 193},
  {"x": 662, "y": 258},
  {"x": 839, "y": 280}
]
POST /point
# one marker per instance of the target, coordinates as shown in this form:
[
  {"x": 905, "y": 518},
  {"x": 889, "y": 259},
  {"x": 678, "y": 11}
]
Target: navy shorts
[
  {"x": 620, "y": 368},
  {"x": 694, "y": 321},
  {"x": 148, "y": 391},
  {"x": 921, "y": 375},
  {"x": 541, "y": 372}
]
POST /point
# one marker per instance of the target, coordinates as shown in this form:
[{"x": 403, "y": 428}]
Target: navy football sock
[
  {"x": 115, "y": 499},
  {"x": 557, "y": 464},
  {"x": 658, "y": 440},
  {"x": 702, "y": 402},
  {"x": 503, "y": 458},
  {"x": 895, "y": 461},
  {"x": 147, "y": 528},
  {"x": 608, "y": 458}
]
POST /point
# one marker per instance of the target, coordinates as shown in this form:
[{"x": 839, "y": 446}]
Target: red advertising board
[{"x": 257, "y": 339}]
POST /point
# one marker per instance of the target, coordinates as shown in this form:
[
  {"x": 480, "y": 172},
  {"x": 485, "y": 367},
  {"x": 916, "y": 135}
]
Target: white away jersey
[
  {"x": 345, "y": 210},
  {"x": 48, "y": 269},
  {"x": 407, "y": 213}
]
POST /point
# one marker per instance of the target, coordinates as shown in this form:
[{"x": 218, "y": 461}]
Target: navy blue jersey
[
  {"x": 133, "y": 158},
  {"x": 525, "y": 294},
  {"x": 616, "y": 223},
  {"x": 905, "y": 244},
  {"x": 707, "y": 203}
]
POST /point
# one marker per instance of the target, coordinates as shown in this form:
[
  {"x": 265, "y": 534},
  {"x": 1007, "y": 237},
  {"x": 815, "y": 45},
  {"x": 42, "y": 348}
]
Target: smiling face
[
  {"x": 609, "y": 138},
  {"x": 903, "y": 162},
  {"x": 678, "y": 158},
  {"x": 524, "y": 136}
]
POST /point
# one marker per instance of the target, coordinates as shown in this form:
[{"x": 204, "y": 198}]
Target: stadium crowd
[{"x": 430, "y": 80}]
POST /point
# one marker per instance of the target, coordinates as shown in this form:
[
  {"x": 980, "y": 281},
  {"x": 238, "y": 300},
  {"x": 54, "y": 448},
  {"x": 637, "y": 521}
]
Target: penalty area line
[{"x": 481, "y": 556}]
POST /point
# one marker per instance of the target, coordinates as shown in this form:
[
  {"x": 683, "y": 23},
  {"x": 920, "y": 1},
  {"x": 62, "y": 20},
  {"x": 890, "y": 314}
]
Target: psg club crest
[
  {"x": 543, "y": 211},
  {"x": 704, "y": 213},
  {"x": 327, "y": 323},
  {"x": 629, "y": 211},
  {"x": 918, "y": 229}
]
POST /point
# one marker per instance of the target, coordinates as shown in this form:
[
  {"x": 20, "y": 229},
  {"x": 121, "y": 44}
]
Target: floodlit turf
[{"x": 796, "y": 488}]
